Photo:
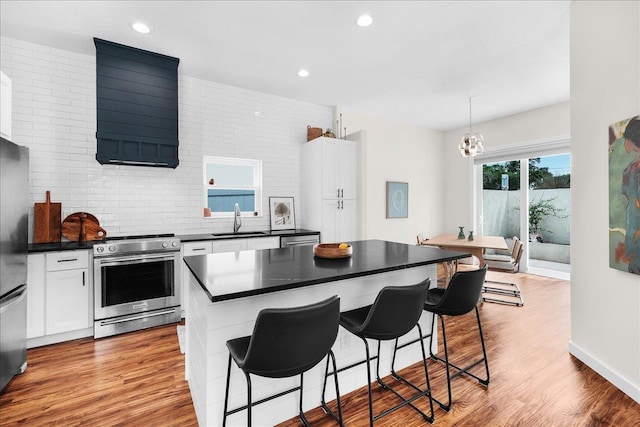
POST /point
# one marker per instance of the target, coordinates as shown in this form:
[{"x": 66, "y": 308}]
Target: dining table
[{"x": 476, "y": 247}]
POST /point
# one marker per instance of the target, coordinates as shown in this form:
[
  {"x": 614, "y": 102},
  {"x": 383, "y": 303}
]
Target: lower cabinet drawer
[
  {"x": 197, "y": 248},
  {"x": 67, "y": 260}
]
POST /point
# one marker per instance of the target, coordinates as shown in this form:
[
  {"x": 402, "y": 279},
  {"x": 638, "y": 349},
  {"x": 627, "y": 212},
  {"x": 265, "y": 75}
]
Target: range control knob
[
  {"x": 174, "y": 244},
  {"x": 165, "y": 244},
  {"x": 112, "y": 248},
  {"x": 100, "y": 249}
]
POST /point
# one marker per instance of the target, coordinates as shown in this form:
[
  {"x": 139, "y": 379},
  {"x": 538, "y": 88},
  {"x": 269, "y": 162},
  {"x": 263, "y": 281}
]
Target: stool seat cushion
[
  {"x": 238, "y": 349},
  {"x": 353, "y": 320}
]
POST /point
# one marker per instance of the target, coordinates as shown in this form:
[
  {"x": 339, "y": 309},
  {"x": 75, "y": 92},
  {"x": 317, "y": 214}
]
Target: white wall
[
  {"x": 399, "y": 152},
  {"x": 54, "y": 114},
  {"x": 540, "y": 124},
  {"x": 605, "y": 88}
]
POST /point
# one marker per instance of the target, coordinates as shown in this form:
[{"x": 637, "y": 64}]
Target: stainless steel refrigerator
[{"x": 14, "y": 225}]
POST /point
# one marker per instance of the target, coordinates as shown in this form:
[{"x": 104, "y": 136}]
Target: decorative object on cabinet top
[
  {"x": 82, "y": 226},
  {"x": 313, "y": 133}
]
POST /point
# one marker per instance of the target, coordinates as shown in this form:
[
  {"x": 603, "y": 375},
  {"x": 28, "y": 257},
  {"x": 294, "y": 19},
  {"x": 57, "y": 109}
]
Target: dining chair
[{"x": 504, "y": 292}]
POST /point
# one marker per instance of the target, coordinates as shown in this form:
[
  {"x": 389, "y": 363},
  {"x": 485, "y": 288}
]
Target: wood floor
[{"x": 137, "y": 379}]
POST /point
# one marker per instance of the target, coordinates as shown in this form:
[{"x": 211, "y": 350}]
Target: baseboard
[
  {"x": 56, "y": 338},
  {"x": 613, "y": 377}
]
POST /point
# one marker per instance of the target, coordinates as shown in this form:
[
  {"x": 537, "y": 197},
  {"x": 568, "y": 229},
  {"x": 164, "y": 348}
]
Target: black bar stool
[
  {"x": 394, "y": 313},
  {"x": 286, "y": 342},
  {"x": 459, "y": 298}
]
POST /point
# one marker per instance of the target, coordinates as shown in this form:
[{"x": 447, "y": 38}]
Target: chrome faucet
[{"x": 237, "y": 222}]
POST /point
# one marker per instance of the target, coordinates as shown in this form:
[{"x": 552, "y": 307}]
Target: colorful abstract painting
[{"x": 624, "y": 195}]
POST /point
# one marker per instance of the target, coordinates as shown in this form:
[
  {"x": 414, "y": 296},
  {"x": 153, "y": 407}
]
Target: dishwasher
[{"x": 305, "y": 240}]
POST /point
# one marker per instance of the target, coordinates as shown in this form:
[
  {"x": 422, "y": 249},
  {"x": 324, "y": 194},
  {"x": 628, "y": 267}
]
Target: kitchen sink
[{"x": 242, "y": 234}]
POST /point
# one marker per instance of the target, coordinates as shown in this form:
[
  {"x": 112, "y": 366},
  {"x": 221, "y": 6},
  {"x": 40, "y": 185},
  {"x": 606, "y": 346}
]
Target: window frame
[{"x": 256, "y": 165}]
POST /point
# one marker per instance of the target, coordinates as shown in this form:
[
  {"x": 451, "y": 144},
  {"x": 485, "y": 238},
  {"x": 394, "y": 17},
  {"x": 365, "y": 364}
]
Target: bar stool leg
[
  {"x": 324, "y": 388},
  {"x": 446, "y": 407},
  {"x": 226, "y": 394},
  {"x": 248, "y": 399},
  {"x": 366, "y": 346}
]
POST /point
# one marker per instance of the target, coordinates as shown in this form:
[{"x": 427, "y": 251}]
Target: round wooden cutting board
[{"x": 71, "y": 227}]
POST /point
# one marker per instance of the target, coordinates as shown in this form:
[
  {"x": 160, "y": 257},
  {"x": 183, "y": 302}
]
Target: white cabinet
[
  {"x": 256, "y": 243},
  {"x": 68, "y": 292},
  {"x": 329, "y": 181},
  {"x": 197, "y": 248},
  {"x": 60, "y": 297},
  {"x": 5, "y": 106},
  {"x": 242, "y": 244},
  {"x": 229, "y": 245},
  {"x": 205, "y": 247},
  {"x": 67, "y": 303},
  {"x": 202, "y": 247},
  {"x": 338, "y": 220},
  {"x": 36, "y": 280}
]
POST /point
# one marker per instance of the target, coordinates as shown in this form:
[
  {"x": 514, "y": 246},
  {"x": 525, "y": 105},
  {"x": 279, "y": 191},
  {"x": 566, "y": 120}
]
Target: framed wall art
[
  {"x": 282, "y": 213},
  {"x": 624, "y": 195},
  {"x": 397, "y": 199}
]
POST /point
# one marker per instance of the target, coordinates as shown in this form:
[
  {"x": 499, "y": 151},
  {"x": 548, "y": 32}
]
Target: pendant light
[{"x": 471, "y": 143}]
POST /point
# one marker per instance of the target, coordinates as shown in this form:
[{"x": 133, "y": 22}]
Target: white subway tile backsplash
[{"x": 54, "y": 114}]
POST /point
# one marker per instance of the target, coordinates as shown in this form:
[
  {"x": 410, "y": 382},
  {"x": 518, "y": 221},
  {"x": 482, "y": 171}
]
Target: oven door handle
[
  {"x": 143, "y": 315},
  {"x": 135, "y": 260}
]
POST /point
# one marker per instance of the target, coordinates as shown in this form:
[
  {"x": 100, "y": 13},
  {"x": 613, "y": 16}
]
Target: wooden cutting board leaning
[{"x": 46, "y": 221}]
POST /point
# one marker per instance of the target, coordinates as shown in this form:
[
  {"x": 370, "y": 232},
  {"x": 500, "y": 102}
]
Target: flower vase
[
  {"x": 461, "y": 233},
  {"x": 470, "y": 235}
]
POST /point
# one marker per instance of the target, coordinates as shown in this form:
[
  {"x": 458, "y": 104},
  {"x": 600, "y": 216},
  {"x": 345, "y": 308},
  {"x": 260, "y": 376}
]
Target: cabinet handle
[
  {"x": 338, "y": 195},
  {"x": 83, "y": 279},
  {"x": 68, "y": 260},
  {"x": 342, "y": 193},
  {"x": 198, "y": 249}
]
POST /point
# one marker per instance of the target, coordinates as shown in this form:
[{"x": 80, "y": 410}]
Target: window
[{"x": 228, "y": 181}]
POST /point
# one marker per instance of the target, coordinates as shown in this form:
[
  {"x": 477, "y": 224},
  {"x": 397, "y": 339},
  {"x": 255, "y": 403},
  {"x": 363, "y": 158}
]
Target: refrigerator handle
[{"x": 13, "y": 298}]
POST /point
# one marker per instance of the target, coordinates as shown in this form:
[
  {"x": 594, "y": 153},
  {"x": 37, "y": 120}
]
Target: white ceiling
[{"x": 418, "y": 63}]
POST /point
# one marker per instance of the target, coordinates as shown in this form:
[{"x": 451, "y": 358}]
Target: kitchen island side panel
[{"x": 234, "y": 318}]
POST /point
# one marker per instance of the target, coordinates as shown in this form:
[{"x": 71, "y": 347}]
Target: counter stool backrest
[
  {"x": 395, "y": 311},
  {"x": 289, "y": 341},
  {"x": 462, "y": 293}
]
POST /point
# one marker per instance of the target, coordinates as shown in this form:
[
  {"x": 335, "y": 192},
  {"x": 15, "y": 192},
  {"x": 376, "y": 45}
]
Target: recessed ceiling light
[
  {"x": 140, "y": 27},
  {"x": 303, "y": 73},
  {"x": 365, "y": 20}
]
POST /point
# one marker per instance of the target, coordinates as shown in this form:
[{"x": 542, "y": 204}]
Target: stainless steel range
[{"x": 137, "y": 283}]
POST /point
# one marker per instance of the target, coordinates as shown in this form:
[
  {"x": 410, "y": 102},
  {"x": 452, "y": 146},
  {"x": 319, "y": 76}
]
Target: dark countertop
[
  {"x": 233, "y": 275},
  {"x": 72, "y": 246},
  {"x": 59, "y": 246},
  {"x": 269, "y": 233}
]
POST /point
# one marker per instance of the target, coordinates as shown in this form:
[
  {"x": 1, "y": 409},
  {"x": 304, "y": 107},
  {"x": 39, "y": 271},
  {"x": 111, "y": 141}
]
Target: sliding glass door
[{"x": 530, "y": 198}]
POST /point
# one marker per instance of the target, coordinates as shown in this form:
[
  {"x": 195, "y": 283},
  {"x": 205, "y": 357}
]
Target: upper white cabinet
[
  {"x": 5, "y": 106},
  {"x": 339, "y": 162},
  {"x": 329, "y": 176}
]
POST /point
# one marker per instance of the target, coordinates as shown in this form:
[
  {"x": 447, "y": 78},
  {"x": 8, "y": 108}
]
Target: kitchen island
[{"x": 227, "y": 290}]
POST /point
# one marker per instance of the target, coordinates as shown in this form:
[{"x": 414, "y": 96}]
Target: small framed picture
[
  {"x": 282, "y": 213},
  {"x": 397, "y": 199}
]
